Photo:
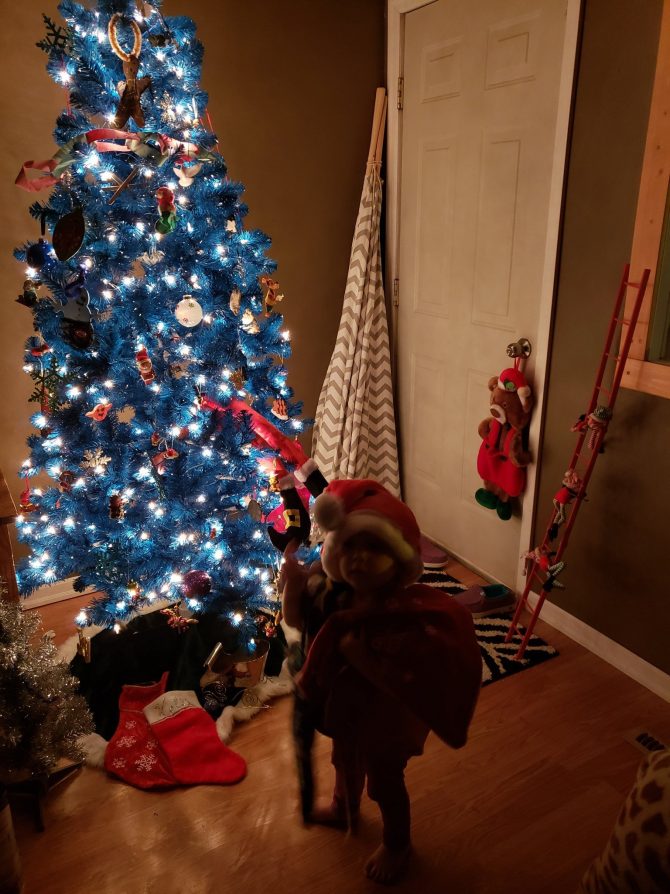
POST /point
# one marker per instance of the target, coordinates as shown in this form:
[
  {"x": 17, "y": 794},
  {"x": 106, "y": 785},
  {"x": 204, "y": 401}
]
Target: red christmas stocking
[
  {"x": 189, "y": 742},
  {"x": 133, "y": 753}
]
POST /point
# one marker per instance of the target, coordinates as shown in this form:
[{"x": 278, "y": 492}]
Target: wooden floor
[{"x": 522, "y": 808}]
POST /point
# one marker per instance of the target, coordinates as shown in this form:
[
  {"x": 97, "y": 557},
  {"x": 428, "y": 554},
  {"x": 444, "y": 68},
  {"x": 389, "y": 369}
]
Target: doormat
[{"x": 497, "y": 655}]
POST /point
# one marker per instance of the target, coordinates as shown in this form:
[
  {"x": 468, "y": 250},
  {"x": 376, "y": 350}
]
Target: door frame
[{"x": 396, "y": 12}]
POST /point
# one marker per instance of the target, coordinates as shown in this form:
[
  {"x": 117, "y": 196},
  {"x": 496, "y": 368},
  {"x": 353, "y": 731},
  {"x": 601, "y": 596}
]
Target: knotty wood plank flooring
[{"x": 523, "y": 807}]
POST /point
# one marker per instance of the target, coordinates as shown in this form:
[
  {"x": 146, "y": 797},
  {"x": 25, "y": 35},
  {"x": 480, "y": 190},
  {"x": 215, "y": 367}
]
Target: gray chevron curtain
[{"x": 354, "y": 433}]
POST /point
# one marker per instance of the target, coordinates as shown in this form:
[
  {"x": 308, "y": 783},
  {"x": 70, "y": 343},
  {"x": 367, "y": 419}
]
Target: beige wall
[
  {"x": 291, "y": 87},
  {"x": 617, "y": 572}
]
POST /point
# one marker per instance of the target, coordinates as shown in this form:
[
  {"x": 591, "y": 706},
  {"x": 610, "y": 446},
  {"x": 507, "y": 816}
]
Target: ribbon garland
[{"x": 140, "y": 143}]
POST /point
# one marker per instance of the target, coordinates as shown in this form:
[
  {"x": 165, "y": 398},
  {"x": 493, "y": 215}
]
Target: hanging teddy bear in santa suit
[{"x": 502, "y": 458}]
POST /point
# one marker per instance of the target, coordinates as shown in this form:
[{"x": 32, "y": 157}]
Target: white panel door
[{"x": 481, "y": 93}]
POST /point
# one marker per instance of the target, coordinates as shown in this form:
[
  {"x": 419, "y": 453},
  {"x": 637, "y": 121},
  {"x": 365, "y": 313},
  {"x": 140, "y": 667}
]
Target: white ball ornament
[{"x": 188, "y": 312}]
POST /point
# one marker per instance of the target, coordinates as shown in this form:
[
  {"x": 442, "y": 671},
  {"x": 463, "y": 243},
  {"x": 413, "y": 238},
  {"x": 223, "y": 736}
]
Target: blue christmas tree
[{"x": 158, "y": 362}]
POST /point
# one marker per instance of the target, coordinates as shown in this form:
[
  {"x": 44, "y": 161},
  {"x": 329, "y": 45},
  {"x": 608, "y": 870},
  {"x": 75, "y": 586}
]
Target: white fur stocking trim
[
  {"x": 94, "y": 747},
  {"x": 253, "y": 701}
]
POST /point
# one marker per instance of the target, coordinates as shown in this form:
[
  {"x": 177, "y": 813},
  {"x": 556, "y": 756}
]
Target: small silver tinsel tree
[{"x": 41, "y": 716}]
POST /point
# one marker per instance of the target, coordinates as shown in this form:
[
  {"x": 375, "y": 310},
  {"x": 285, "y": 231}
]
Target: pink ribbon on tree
[
  {"x": 64, "y": 157},
  {"x": 99, "y": 137}
]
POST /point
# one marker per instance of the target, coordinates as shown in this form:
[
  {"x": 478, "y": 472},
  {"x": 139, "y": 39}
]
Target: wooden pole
[
  {"x": 381, "y": 134},
  {"x": 378, "y": 121}
]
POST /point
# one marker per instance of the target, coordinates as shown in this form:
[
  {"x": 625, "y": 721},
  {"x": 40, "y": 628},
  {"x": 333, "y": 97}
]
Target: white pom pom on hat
[
  {"x": 349, "y": 507},
  {"x": 329, "y": 511}
]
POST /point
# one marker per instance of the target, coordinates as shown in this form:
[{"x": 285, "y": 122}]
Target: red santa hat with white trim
[
  {"x": 346, "y": 508},
  {"x": 513, "y": 379}
]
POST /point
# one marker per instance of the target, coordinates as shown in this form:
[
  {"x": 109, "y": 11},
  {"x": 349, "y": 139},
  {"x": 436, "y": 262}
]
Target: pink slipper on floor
[
  {"x": 486, "y": 600},
  {"x": 434, "y": 556}
]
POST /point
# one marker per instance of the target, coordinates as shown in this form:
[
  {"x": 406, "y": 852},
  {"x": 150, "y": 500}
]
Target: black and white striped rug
[{"x": 497, "y": 655}]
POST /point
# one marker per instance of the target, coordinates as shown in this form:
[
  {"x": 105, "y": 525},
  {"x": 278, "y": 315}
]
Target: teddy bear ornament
[{"x": 503, "y": 458}]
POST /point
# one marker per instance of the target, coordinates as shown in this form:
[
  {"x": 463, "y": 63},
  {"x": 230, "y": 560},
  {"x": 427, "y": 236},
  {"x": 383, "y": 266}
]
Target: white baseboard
[
  {"x": 615, "y": 654},
  {"x": 57, "y": 592}
]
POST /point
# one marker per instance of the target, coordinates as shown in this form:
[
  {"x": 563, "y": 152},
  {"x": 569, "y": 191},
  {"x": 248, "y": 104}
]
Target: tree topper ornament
[{"x": 129, "y": 104}]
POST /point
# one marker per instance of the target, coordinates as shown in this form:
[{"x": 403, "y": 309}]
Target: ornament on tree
[
  {"x": 249, "y": 323},
  {"x": 255, "y": 510},
  {"x": 275, "y": 470},
  {"x": 158, "y": 461},
  {"x": 99, "y": 411},
  {"x": 272, "y": 296},
  {"x": 160, "y": 40},
  {"x": 188, "y": 312},
  {"x": 279, "y": 409},
  {"x": 196, "y": 584},
  {"x": 187, "y": 173},
  {"x": 294, "y": 516},
  {"x": 134, "y": 590},
  {"x": 131, "y": 92},
  {"x": 155, "y": 439},
  {"x": 178, "y": 369},
  {"x": 95, "y": 461},
  {"x": 231, "y": 226},
  {"x": 237, "y": 379},
  {"x": 68, "y": 235},
  {"x": 65, "y": 481},
  {"x": 38, "y": 253},
  {"x": 76, "y": 326},
  {"x": 116, "y": 510},
  {"x": 175, "y": 619},
  {"x": 234, "y": 302},
  {"x": 47, "y": 383},
  {"x": 26, "y": 504},
  {"x": 58, "y": 39},
  {"x": 124, "y": 184},
  {"x": 267, "y": 624},
  {"x": 29, "y": 296},
  {"x": 38, "y": 348},
  {"x": 152, "y": 257},
  {"x": 167, "y": 210},
  {"x": 145, "y": 365}
]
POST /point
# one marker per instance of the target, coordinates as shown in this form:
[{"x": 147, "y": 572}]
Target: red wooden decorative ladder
[{"x": 591, "y": 428}]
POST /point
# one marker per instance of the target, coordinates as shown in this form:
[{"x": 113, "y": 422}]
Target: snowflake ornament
[{"x": 95, "y": 461}]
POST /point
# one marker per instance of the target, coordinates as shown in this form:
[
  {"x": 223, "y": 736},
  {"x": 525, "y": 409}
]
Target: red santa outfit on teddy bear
[{"x": 502, "y": 459}]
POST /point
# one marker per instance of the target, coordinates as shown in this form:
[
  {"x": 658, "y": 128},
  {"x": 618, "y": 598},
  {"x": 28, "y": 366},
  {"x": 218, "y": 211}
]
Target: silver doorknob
[{"x": 520, "y": 348}]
